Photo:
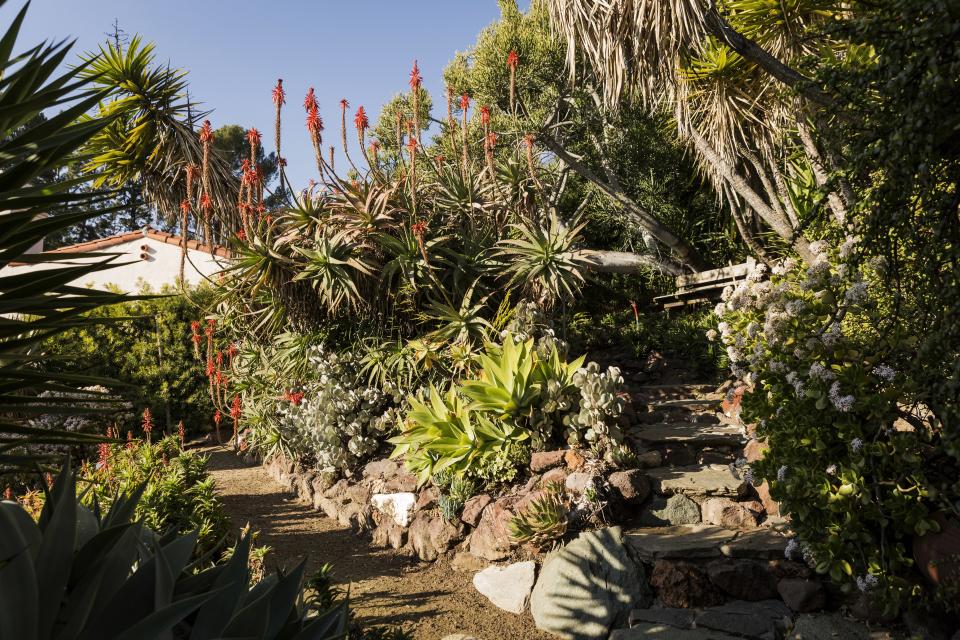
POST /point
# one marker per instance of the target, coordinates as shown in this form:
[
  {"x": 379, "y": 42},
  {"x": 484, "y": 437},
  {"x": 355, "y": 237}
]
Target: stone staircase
[{"x": 713, "y": 550}]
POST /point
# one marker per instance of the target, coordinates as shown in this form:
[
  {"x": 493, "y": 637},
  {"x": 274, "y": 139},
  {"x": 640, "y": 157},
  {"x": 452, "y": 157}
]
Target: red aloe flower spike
[
  {"x": 235, "y": 408},
  {"x": 360, "y": 120},
  {"x": 279, "y": 95},
  {"x": 205, "y": 202},
  {"x": 344, "y": 104},
  {"x": 217, "y": 418},
  {"x": 181, "y": 433},
  {"x": 129, "y": 439},
  {"x": 485, "y": 115},
  {"x": 253, "y": 137},
  {"x": 206, "y": 132},
  {"x": 184, "y": 206},
  {"x": 103, "y": 457},
  {"x": 310, "y": 101},
  {"x": 147, "y": 423},
  {"x": 464, "y": 102},
  {"x": 512, "y": 61},
  {"x": 314, "y": 122},
  {"x": 415, "y": 78}
]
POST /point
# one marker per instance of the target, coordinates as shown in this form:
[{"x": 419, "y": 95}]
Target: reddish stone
[
  {"x": 771, "y": 506},
  {"x": 754, "y": 450},
  {"x": 524, "y": 503},
  {"x": 574, "y": 459},
  {"x": 632, "y": 487},
  {"x": 473, "y": 509},
  {"x": 726, "y": 513},
  {"x": 432, "y": 535},
  {"x": 542, "y": 460},
  {"x": 427, "y": 499},
  {"x": 554, "y": 476},
  {"x": 683, "y": 585},
  {"x": 491, "y": 539}
]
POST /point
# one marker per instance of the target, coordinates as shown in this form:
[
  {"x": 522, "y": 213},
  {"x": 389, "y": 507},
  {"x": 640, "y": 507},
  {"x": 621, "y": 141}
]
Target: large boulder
[
  {"x": 507, "y": 587},
  {"x": 632, "y": 487},
  {"x": 588, "y": 586},
  {"x": 802, "y": 595}
]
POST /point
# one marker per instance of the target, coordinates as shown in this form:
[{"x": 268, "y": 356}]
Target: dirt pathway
[{"x": 430, "y": 600}]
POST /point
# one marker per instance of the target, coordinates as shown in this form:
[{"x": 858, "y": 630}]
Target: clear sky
[{"x": 361, "y": 50}]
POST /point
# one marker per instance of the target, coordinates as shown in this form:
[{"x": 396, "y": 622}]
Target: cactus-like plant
[
  {"x": 77, "y": 575},
  {"x": 544, "y": 522}
]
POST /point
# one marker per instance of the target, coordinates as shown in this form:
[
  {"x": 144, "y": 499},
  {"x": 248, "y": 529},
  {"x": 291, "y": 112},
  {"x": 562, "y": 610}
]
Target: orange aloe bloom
[
  {"x": 253, "y": 137},
  {"x": 314, "y": 121},
  {"x": 412, "y": 145},
  {"x": 279, "y": 95},
  {"x": 360, "y": 119},
  {"x": 310, "y": 101},
  {"x": 415, "y": 78},
  {"x": 485, "y": 115},
  {"x": 513, "y": 59},
  {"x": 205, "y": 202},
  {"x": 206, "y": 132},
  {"x": 464, "y": 102},
  {"x": 185, "y": 206},
  {"x": 344, "y": 104}
]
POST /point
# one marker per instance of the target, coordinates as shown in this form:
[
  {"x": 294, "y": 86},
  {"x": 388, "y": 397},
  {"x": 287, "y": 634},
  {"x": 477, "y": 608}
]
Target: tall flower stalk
[
  {"x": 513, "y": 59},
  {"x": 279, "y": 99},
  {"x": 206, "y": 139},
  {"x": 415, "y": 81}
]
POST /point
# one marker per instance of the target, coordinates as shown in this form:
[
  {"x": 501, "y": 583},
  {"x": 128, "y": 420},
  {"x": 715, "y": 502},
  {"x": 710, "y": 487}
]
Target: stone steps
[
  {"x": 694, "y": 433},
  {"x": 704, "y": 541},
  {"x": 736, "y": 619},
  {"x": 697, "y": 480}
]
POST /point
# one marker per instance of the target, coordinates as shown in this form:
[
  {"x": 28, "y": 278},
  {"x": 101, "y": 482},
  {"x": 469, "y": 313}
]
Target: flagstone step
[
  {"x": 696, "y": 433},
  {"x": 697, "y": 480},
  {"x": 695, "y": 541}
]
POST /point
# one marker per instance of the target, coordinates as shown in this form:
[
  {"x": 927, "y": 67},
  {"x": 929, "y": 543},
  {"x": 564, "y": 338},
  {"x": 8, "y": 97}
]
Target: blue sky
[{"x": 361, "y": 50}]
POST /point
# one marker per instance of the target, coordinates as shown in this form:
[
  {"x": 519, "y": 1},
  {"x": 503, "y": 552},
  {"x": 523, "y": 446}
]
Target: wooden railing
[{"x": 704, "y": 286}]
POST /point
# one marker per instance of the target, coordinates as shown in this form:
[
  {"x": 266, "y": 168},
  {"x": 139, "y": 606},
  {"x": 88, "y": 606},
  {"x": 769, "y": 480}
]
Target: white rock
[
  {"x": 507, "y": 587},
  {"x": 398, "y": 506}
]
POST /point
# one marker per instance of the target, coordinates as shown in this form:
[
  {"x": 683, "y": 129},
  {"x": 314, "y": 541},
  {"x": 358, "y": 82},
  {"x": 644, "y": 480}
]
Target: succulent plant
[
  {"x": 600, "y": 406},
  {"x": 75, "y": 574},
  {"x": 544, "y": 522}
]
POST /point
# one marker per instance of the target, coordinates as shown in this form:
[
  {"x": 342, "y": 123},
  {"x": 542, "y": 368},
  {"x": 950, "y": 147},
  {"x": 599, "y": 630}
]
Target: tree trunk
[
  {"x": 625, "y": 262},
  {"x": 686, "y": 254}
]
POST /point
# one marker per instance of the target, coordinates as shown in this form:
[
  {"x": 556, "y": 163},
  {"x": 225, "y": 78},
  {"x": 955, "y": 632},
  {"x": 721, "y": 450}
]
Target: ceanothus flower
[
  {"x": 782, "y": 473},
  {"x": 792, "y": 549},
  {"x": 856, "y": 445},
  {"x": 867, "y": 582},
  {"x": 884, "y": 372},
  {"x": 840, "y": 402},
  {"x": 820, "y": 372},
  {"x": 857, "y": 293},
  {"x": 831, "y": 470}
]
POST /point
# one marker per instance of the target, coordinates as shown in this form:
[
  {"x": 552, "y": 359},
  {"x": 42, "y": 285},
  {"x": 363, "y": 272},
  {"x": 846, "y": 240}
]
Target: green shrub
[
  {"x": 178, "y": 495},
  {"x": 853, "y": 458},
  {"x": 145, "y": 345}
]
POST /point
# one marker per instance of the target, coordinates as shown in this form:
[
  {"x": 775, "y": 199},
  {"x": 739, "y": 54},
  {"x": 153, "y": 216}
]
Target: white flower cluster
[
  {"x": 884, "y": 372},
  {"x": 339, "y": 421},
  {"x": 843, "y": 403}
]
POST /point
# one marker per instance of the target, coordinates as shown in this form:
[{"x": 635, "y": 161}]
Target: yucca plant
[{"x": 77, "y": 575}]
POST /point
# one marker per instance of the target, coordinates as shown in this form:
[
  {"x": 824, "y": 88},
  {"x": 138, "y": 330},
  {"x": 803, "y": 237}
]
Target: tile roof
[{"x": 132, "y": 236}]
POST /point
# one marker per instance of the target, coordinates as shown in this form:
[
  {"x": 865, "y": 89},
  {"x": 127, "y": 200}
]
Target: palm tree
[{"x": 729, "y": 75}]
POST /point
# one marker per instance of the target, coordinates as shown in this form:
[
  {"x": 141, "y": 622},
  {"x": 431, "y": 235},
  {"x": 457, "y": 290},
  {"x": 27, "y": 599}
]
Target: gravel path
[{"x": 430, "y": 600}]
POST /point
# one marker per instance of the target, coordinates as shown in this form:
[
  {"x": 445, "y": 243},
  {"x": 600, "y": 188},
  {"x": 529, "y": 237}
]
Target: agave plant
[
  {"x": 544, "y": 522},
  {"x": 444, "y": 433},
  {"x": 544, "y": 259},
  {"x": 77, "y": 575},
  {"x": 332, "y": 266},
  {"x": 510, "y": 381}
]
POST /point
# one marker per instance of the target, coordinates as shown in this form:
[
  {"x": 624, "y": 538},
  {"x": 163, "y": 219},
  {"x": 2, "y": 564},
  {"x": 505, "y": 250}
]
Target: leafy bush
[
  {"x": 309, "y": 403},
  {"x": 178, "y": 495},
  {"x": 853, "y": 457},
  {"x": 145, "y": 345},
  {"x": 484, "y": 427}
]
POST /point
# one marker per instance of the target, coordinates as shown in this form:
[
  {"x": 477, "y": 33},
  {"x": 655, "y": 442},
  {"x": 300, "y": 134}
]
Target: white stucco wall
[{"x": 161, "y": 266}]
